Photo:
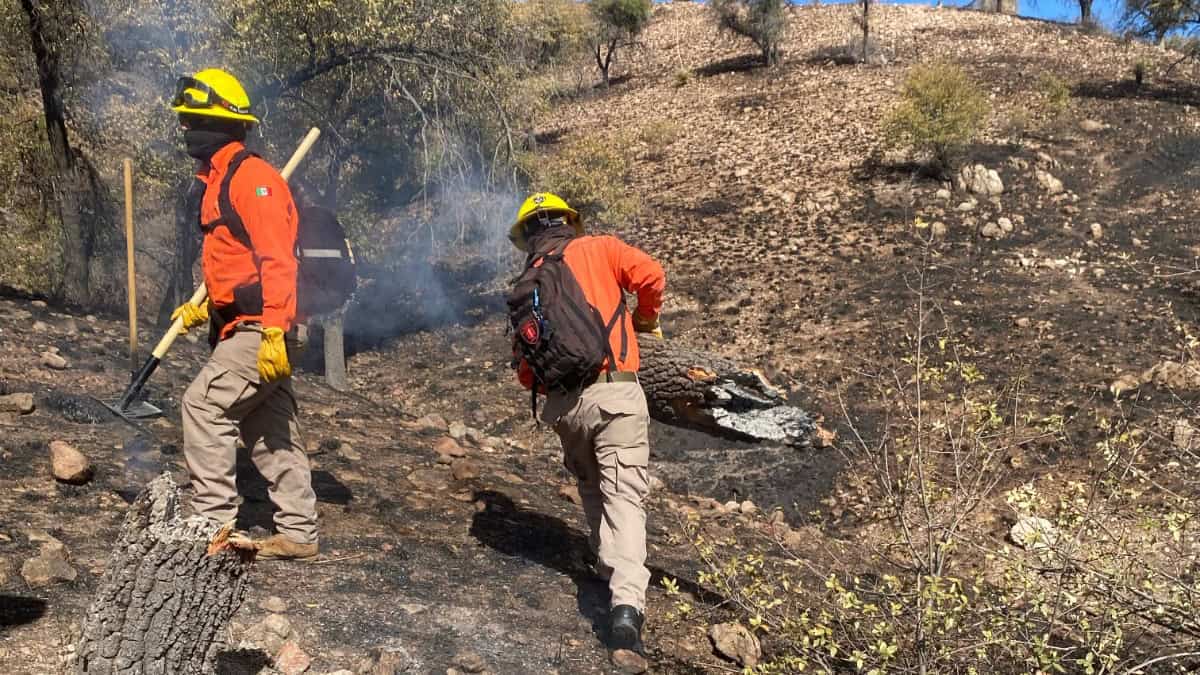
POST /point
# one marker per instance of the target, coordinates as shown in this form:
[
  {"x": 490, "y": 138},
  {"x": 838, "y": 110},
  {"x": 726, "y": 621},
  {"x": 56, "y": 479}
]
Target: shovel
[{"x": 129, "y": 406}]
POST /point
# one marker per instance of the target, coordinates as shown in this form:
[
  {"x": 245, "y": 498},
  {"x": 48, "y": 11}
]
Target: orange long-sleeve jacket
[
  {"x": 606, "y": 268},
  {"x": 263, "y": 201}
]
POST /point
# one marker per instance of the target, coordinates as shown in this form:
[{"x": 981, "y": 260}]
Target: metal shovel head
[{"x": 136, "y": 410}]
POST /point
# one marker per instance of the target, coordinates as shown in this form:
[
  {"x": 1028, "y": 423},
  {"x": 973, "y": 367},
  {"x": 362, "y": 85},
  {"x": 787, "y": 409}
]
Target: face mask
[{"x": 203, "y": 143}]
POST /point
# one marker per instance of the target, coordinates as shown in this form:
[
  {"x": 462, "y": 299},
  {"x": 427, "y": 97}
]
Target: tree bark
[
  {"x": 167, "y": 595},
  {"x": 70, "y": 185},
  {"x": 703, "y": 391}
]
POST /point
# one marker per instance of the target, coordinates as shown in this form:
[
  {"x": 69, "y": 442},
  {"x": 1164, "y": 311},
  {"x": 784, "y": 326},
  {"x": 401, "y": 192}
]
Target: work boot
[
  {"x": 279, "y": 547},
  {"x": 625, "y": 639}
]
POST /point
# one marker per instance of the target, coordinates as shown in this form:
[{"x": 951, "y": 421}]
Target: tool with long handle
[
  {"x": 129, "y": 261},
  {"x": 129, "y": 407}
]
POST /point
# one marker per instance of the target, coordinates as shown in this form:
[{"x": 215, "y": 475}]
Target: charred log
[
  {"x": 170, "y": 589},
  {"x": 703, "y": 391}
]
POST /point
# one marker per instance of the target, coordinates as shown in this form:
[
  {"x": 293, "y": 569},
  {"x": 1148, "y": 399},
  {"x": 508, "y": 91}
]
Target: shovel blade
[{"x": 135, "y": 410}]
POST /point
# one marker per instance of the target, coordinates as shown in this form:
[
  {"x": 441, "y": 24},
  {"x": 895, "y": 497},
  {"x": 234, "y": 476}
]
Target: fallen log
[
  {"x": 703, "y": 391},
  {"x": 167, "y": 595}
]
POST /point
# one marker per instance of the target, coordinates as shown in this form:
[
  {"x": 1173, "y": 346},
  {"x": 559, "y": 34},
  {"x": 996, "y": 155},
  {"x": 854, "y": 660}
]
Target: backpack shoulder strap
[{"x": 228, "y": 214}]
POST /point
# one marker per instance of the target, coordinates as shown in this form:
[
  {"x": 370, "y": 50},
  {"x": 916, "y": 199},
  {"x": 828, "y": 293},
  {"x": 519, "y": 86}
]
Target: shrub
[
  {"x": 764, "y": 22},
  {"x": 1055, "y": 92},
  {"x": 940, "y": 113},
  {"x": 553, "y": 31},
  {"x": 591, "y": 174},
  {"x": 657, "y": 136},
  {"x": 1141, "y": 71},
  {"x": 684, "y": 76}
]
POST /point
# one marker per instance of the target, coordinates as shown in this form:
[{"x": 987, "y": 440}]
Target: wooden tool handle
[
  {"x": 202, "y": 292},
  {"x": 129, "y": 262}
]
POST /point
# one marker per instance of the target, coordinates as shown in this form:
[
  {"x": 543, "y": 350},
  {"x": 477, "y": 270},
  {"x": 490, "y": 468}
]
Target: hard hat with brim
[
  {"x": 542, "y": 204},
  {"x": 212, "y": 93}
]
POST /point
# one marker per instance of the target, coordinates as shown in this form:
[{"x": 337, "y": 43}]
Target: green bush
[
  {"x": 591, "y": 174},
  {"x": 940, "y": 113},
  {"x": 1055, "y": 92},
  {"x": 762, "y": 21},
  {"x": 657, "y": 136}
]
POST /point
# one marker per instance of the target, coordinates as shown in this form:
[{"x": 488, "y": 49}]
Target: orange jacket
[
  {"x": 606, "y": 268},
  {"x": 262, "y": 199}
]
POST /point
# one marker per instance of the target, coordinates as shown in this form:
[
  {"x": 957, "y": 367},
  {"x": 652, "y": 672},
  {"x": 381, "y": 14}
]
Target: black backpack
[
  {"x": 559, "y": 333},
  {"x": 326, "y": 277}
]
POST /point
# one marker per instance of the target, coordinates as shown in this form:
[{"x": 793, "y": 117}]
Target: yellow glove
[
  {"x": 651, "y": 325},
  {"x": 193, "y": 315},
  {"x": 272, "y": 356}
]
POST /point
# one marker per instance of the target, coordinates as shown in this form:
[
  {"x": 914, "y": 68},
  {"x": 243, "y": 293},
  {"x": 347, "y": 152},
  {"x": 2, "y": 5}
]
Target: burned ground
[{"x": 785, "y": 249}]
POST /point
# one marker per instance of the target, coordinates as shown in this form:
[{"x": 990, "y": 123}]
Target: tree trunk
[
  {"x": 703, "y": 391},
  {"x": 335, "y": 351},
  {"x": 70, "y": 185},
  {"x": 1085, "y": 12},
  {"x": 167, "y": 594}
]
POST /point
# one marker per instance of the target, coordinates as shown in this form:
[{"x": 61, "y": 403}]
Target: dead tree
[
  {"x": 167, "y": 595},
  {"x": 703, "y": 391}
]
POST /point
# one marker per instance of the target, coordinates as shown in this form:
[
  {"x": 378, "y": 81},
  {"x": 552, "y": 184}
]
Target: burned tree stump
[
  {"x": 703, "y": 391},
  {"x": 167, "y": 595}
]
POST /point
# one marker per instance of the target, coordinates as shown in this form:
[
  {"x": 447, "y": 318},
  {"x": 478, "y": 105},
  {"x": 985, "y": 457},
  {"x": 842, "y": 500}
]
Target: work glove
[
  {"x": 644, "y": 325},
  {"x": 193, "y": 315},
  {"x": 272, "y": 356}
]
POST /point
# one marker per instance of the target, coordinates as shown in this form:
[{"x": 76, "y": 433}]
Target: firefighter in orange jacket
[
  {"x": 603, "y": 426},
  {"x": 249, "y": 223}
]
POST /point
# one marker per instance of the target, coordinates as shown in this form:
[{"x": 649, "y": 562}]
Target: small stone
[
  {"x": 967, "y": 206},
  {"x": 1033, "y": 533},
  {"x": 1091, "y": 126},
  {"x": 938, "y": 229},
  {"x": 1022, "y": 322},
  {"x": 1049, "y": 183},
  {"x": 991, "y": 231},
  {"x": 69, "y": 465},
  {"x": 40, "y": 304},
  {"x": 1097, "y": 231},
  {"x": 629, "y": 661},
  {"x": 428, "y": 479},
  {"x": 346, "y": 450},
  {"x": 470, "y": 662},
  {"x": 54, "y": 361},
  {"x": 385, "y": 661},
  {"x": 17, "y": 403},
  {"x": 40, "y": 327},
  {"x": 571, "y": 494},
  {"x": 432, "y": 423},
  {"x": 458, "y": 431},
  {"x": 735, "y": 642},
  {"x": 448, "y": 447},
  {"x": 732, "y": 506},
  {"x": 274, "y": 604},
  {"x": 6, "y": 570},
  {"x": 1005, "y": 224},
  {"x": 50, "y": 566},
  {"x": 292, "y": 660},
  {"x": 943, "y": 194},
  {"x": 748, "y": 508},
  {"x": 464, "y": 469}
]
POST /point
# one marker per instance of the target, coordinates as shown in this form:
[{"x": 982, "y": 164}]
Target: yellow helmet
[
  {"x": 544, "y": 206},
  {"x": 212, "y": 93}
]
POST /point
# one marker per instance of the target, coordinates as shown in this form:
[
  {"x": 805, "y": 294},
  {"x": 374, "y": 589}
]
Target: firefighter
[
  {"x": 244, "y": 391},
  {"x": 602, "y": 422}
]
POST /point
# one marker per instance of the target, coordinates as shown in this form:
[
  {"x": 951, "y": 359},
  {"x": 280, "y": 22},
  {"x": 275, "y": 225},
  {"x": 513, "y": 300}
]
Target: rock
[
  {"x": 50, "y": 566},
  {"x": 274, "y": 604},
  {"x": 1049, "y": 183},
  {"x": 448, "y": 447},
  {"x": 40, "y": 304},
  {"x": 966, "y": 206},
  {"x": 1173, "y": 375},
  {"x": 943, "y": 194},
  {"x": 1183, "y": 434},
  {"x": 748, "y": 508},
  {"x": 346, "y": 450},
  {"x": 21, "y": 404},
  {"x": 735, "y": 642},
  {"x": 571, "y": 494},
  {"x": 1033, "y": 533},
  {"x": 428, "y": 479},
  {"x": 1091, "y": 126},
  {"x": 469, "y": 662},
  {"x": 291, "y": 660},
  {"x": 1097, "y": 231},
  {"x": 1005, "y": 224},
  {"x": 385, "y": 661},
  {"x": 458, "y": 431},
  {"x": 991, "y": 231},
  {"x": 1125, "y": 382},
  {"x": 980, "y": 180},
  {"x": 629, "y": 662},
  {"x": 1022, "y": 322},
  {"x": 54, "y": 361},
  {"x": 40, "y": 327},
  {"x": 69, "y": 465},
  {"x": 432, "y": 423},
  {"x": 464, "y": 469},
  {"x": 938, "y": 229},
  {"x": 6, "y": 571},
  {"x": 272, "y": 633},
  {"x": 656, "y": 484}
]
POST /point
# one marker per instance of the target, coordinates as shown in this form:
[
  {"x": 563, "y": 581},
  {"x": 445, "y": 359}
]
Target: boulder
[
  {"x": 69, "y": 465},
  {"x": 735, "y": 642}
]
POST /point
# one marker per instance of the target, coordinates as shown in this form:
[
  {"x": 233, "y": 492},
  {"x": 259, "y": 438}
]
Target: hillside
[{"x": 787, "y": 231}]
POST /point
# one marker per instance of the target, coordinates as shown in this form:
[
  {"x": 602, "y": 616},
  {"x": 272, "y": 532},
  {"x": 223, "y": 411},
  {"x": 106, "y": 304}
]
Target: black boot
[{"x": 625, "y": 630}]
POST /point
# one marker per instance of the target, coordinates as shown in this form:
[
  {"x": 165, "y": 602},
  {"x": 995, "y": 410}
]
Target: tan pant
[
  {"x": 606, "y": 446},
  {"x": 225, "y": 401}
]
